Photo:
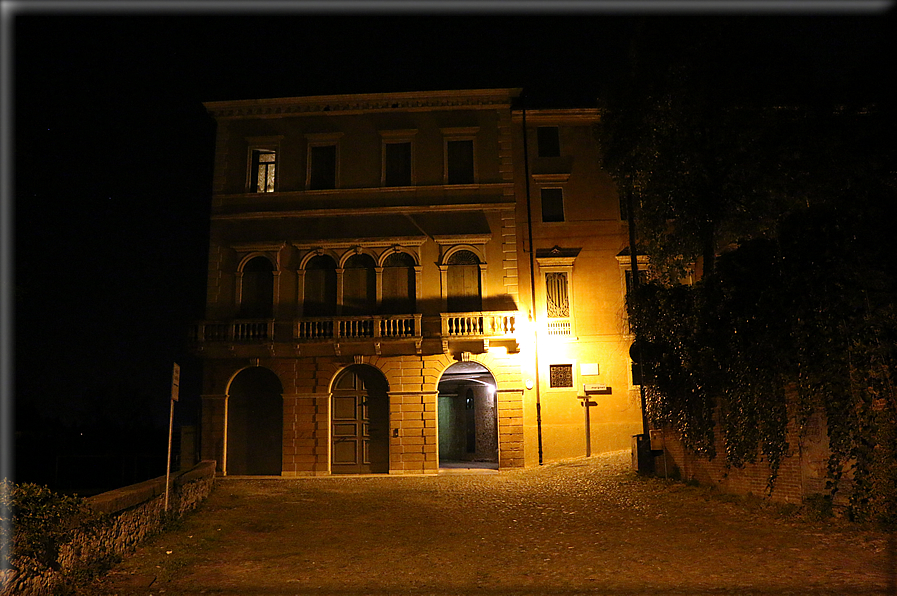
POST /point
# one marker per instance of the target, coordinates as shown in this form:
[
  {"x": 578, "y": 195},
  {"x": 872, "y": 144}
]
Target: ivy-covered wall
[
  {"x": 801, "y": 474},
  {"x": 788, "y": 327}
]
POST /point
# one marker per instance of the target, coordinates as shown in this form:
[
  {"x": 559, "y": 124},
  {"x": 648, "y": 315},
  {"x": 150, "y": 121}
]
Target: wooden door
[{"x": 360, "y": 423}]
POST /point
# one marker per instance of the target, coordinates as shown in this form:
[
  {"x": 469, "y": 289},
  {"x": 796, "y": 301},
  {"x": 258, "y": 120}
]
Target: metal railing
[{"x": 559, "y": 327}]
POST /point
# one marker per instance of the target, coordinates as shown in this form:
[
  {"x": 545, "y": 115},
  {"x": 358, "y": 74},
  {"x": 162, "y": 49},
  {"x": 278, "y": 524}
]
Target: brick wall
[
  {"x": 129, "y": 515},
  {"x": 801, "y": 473}
]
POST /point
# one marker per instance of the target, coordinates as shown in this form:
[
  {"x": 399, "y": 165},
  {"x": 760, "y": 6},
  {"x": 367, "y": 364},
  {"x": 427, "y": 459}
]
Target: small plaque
[
  {"x": 593, "y": 388},
  {"x": 588, "y": 368}
]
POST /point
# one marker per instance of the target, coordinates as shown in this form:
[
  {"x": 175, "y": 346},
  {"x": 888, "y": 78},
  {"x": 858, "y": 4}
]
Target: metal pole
[
  {"x": 585, "y": 404},
  {"x": 168, "y": 461}
]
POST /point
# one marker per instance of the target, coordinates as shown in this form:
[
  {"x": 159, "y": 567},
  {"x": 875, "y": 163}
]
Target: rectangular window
[
  {"x": 262, "y": 170},
  {"x": 322, "y": 172},
  {"x": 556, "y": 295},
  {"x": 397, "y": 164},
  {"x": 560, "y": 375},
  {"x": 548, "y": 141},
  {"x": 642, "y": 278},
  {"x": 552, "y": 205},
  {"x": 459, "y": 162}
]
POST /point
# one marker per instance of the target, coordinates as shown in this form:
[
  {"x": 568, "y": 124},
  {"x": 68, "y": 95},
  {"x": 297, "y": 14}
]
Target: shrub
[{"x": 36, "y": 522}]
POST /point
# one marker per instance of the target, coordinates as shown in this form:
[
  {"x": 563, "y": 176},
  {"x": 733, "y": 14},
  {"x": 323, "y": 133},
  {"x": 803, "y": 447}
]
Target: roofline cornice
[
  {"x": 340, "y": 212},
  {"x": 362, "y": 103},
  {"x": 558, "y": 116}
]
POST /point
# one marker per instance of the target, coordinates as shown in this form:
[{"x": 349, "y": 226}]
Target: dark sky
[{"x": 113, "y": 149}]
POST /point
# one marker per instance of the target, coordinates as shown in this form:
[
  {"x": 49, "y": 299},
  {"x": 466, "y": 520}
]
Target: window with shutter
[
  {"x": 464, "y": 283},
  {"x": 359, "y": 286},
  {"x": 320, "y": 287},
  {"x": 399, "y": 289}
]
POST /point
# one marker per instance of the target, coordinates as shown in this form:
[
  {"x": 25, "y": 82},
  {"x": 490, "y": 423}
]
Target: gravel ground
[{"x": 585, "y": 526}]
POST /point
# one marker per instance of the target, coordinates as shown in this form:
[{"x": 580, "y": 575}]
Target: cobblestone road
[{"x": 587, "y": 526}]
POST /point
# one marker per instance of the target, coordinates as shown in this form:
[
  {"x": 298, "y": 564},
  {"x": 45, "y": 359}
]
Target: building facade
[{"x": 403, "y": 281}]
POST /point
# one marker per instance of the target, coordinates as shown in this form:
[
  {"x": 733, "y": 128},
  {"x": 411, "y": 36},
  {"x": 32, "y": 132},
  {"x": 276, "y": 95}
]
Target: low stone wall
[{"x": 126, "y": 517}]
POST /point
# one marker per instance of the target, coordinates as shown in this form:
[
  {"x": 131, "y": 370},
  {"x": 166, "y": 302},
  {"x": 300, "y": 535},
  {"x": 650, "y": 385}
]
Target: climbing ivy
[{"x": 805, "y": 318}]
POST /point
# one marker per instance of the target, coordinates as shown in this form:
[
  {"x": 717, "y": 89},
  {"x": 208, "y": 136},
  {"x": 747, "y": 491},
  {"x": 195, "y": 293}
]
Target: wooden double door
[{"x": 360, "y": 422}]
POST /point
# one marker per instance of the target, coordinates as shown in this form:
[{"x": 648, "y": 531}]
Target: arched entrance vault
[
  {"x": 254, "y": 427},
  {"x": 468, "y": 416}
]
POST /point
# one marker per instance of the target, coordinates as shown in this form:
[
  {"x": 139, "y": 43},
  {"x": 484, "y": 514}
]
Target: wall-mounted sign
[
  {"x": 588, "y": 368},
  {"x": 593, "y": 388},
  {"x": 175, "y": 382}
]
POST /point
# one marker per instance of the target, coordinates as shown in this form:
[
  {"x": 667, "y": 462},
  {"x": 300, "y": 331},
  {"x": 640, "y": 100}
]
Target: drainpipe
[{"x": 532, "y": 282}]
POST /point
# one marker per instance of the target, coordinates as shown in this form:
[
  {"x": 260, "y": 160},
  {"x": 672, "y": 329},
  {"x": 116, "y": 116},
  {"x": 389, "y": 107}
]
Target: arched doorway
[
  {"x": 254, "y": 423},
  {"x": 468, "y": 419},
  {"x": 360, "y": 422}
]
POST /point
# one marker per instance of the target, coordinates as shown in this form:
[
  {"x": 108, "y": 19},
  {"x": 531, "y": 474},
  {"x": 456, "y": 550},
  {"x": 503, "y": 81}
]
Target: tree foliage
[
  {"x": 37, "y": 522},
  {"x": 787, "y": 209},
  {"x": 810, "y": 313}
]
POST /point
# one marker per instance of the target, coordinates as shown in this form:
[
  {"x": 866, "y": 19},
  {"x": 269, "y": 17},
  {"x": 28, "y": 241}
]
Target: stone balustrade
[{"x": 479, "y": 325}]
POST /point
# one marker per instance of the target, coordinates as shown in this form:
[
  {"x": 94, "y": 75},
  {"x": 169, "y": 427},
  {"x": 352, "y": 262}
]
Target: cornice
[
  {"x": 401, "y": 210},
  {"x": 406, "y": 241},
  {"x": 559, "y": 116},
  {"x": 363, "y": 103}
]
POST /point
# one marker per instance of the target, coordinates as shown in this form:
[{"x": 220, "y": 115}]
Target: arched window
[
  {"x": 320, "y": 287},
  {"x": 399, "y": 286},
  {"x": 463, "y": 292},
  {"x": 257, "y": 294},
  {"x": 359, "y": 286}
]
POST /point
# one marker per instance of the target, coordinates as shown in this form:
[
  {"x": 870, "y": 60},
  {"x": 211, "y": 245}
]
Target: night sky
[{"x": 113, "y": 149}]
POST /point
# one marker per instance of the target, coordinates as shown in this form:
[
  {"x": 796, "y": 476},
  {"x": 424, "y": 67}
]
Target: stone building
[{"x": 374, "y": 261}]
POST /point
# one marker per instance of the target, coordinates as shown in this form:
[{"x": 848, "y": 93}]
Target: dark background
[{"x": 113, "y": 150}]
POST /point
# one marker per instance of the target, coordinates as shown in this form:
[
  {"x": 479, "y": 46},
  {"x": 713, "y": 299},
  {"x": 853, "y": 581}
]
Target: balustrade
[
  {"x": 233, "y": 331},
  {"x": 479, "y": 324},
  {"x": 468, "y": 325},
  {"x": 387, "y": 327}
]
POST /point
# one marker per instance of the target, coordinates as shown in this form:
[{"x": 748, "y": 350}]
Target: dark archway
[
  {"x": 468, "y": 418},
  {"x": 255, "y": 424},
  {"x": 360, "y": 422}
]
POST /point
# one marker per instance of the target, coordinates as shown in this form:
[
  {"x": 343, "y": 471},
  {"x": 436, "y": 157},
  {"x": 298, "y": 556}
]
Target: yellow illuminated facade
[{"x": 403, "y": 282}]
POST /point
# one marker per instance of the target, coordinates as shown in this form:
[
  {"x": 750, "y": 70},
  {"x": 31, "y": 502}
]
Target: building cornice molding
[
  {"x": 421, "y": 190},
  {"x": 560, "y": 116},
  {"x": 362, "y": 103},
  {"x": 472, "y": 239},
  {"x": 379, "y": 243},
  {"x": 404, "y": 210}
]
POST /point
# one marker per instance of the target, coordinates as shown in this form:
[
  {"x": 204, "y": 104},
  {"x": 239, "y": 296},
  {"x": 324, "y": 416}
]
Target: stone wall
[{"x": 126, "y": 517}]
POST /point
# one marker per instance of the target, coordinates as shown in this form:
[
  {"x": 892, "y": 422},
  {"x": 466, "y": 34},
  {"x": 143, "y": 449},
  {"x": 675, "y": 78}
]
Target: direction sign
[{"x": 175, "y": 382}]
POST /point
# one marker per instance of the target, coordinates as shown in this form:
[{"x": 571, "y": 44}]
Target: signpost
[
  {"x": 586, "y": 403},
  {"x": 175, "y": 385}
]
